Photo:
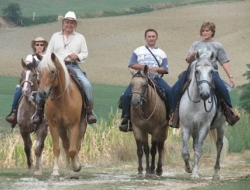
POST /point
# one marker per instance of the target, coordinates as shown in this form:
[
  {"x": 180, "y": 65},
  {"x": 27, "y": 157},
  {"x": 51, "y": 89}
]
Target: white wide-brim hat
[{"x": 69, "y": 16}]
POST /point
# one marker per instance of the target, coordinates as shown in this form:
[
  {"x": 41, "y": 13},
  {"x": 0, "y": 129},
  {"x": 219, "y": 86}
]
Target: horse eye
[{"x": 196, "y": 71}]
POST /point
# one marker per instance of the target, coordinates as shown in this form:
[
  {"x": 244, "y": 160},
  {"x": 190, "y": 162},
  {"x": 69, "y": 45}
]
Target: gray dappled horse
[
  {"x": 148, "y": 116},
  {"x": 199, "y": 114},
  {"x": 26, "y": 109}
]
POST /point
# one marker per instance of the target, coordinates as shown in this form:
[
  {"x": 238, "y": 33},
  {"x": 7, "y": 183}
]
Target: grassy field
[
  {"x": 105, "y": 97},
  {"x": 53, "y": 7}
]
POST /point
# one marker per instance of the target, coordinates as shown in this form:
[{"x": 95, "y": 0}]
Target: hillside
[{"x": 111, "y": 40}]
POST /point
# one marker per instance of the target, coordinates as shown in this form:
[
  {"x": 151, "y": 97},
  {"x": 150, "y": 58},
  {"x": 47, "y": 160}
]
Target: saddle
[{"x": 73, "y": 75}]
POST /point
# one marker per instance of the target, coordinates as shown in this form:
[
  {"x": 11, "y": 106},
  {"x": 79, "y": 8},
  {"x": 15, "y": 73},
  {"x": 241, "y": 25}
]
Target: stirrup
[
  {"x": 174, "y": 120},
  {"x": 126, "y": 127}
]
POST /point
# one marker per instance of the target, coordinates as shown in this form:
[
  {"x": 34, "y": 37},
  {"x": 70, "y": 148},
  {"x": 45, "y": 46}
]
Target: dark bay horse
[
  {"x": 63, "y": 110},
  {"x": 25, "y": 111},
  {"x": 148, "y": 117},
  {"x": 200, "y": 115}
]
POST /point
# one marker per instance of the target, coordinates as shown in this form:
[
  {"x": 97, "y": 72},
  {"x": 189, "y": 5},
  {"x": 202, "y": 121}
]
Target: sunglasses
[{"x": 39, "y": 44}]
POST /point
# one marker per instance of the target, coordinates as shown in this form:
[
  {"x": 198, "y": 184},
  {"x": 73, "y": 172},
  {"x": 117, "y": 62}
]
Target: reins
[
  {"x": 155, "y": 93},
  {"x": 212, "y": 95},
  {"x": 59, "y": 96}
]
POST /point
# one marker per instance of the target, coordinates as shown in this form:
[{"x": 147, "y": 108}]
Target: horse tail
[{"x": 213, "y": 138}]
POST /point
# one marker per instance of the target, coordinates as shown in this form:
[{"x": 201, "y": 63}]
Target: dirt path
[{"x": 124, "y": 177}]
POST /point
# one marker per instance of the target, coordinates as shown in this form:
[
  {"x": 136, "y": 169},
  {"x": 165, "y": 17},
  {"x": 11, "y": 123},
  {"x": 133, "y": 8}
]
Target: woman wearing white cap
[
  {"x": 72, "y": 48},
  {"x": 39, "y": 46}
]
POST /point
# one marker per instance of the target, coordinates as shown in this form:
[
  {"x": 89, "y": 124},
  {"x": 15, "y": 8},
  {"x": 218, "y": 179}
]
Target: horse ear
[
  {"x": 53, "y": 57},
  {"x": 23, "y": 63},
  {"x": 197, "y": 55},
  {"x": 212, "y": 56},
  {"x": 145, "y": 70},
  {"x": 39, "y": 57}
]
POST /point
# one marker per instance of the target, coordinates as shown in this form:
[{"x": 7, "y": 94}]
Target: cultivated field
[{"x": 111, "y": 40}]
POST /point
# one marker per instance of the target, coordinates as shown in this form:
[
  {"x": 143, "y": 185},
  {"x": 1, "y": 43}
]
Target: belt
[{"x": 70, "y": 63}]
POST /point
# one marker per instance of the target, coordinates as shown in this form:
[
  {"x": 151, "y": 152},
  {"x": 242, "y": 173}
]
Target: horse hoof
[
  {"x": 188, "y": 170},
  {"x": 54, "y": 177},
  {"x": 159, "y": 173},
  {"x": 140, "y": 175},
  {"x": 38, "y": 172},
  {"x": 216, "y": 177},
  {"x": 150, "y": 175},
  {"x": 78, "y": 169}
]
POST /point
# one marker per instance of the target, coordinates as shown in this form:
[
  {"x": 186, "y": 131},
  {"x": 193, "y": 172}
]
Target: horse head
[
  {"x": 28, "y": 80},
  {"x": 139, "y": 87},
  {"x": 203, "y": 73},
  {"x": 52, "y": 72}
]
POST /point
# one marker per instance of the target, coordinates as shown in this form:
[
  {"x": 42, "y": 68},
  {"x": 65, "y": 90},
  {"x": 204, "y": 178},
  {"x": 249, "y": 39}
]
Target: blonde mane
[{"x": 46, "y": 65}]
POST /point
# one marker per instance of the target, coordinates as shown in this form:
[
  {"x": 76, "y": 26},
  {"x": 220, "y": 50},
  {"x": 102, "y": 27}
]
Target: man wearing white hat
[{"x": 72, "y": 48}]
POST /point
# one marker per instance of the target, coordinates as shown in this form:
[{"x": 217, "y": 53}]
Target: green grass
[
  {"x": 105, "y": 98},
  {"x": 53, "y": 7},
  {"x": 239, "y": 184}
]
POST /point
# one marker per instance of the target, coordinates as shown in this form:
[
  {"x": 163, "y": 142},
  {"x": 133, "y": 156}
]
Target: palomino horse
[
  {"x": 25, "y": 111},
  {"x": 63, "y": 110},
  {"x": 199, "y": 114},
  {"x": 148, "y": 116}
]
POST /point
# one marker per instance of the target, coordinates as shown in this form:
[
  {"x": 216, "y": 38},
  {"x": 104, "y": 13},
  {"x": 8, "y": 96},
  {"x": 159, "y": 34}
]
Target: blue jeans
[
  {"x": 126, "y": 99},
  {"x": 17, "y": 96},
  {"x": 87, "y": 88},
  {"x": 219, "y": 85}
]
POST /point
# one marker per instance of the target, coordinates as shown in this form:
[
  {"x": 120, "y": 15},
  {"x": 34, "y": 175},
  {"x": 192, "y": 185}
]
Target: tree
[
  {"x": 245, "y": 93},
  {"x": 13, "y": 13}
]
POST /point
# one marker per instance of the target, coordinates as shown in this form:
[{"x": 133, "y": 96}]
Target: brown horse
[
  {"x": 148, "y": 116},
  {"x": 25, "y": 111},
  {"x": 63, "y": 110}
]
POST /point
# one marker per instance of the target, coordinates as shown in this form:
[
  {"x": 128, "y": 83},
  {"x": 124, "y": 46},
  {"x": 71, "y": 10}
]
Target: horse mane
[{"x": 48, "y": 64}]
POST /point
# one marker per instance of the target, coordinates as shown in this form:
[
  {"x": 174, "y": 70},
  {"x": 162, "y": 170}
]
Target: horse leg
[
  {"x": 146, "y": 151},
  {"x": 153, "y": 153},
  {"x": 82, "y": 130},
  {"x": 185, "y": 149},
  {"x": 41, "y": 134},
  {"x": 73, "y": 153},
  {"x": 56, "y": 151},
  {"x": 219, "y": 146},
  {"x": 198, "y": 144},
  {"x": 27, "y": 149},
  {"x": 139, "y": 155},
  {"x": 160, "y": 153}
]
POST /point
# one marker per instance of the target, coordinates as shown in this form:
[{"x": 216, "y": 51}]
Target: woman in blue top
[{"x": 207, "y": 32}]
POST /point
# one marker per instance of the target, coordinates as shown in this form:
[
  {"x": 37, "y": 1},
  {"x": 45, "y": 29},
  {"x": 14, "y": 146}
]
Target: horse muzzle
[{"x": 44, "y": 94}]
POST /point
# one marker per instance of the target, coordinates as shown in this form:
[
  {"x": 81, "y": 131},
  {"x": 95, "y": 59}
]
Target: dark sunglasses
[{"x": 39, "y": 44}]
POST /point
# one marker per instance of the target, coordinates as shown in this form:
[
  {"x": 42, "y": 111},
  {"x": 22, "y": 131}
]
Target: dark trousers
[{"x": 127, "y": 95}]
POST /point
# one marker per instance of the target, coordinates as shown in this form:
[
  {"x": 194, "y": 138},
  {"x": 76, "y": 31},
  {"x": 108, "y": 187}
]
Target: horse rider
[
  {"x": 207, "y": 32},
  {"x": 71, "y": 46},
  {"x": 157, "y": 61},
  {"x": 38, "y": 46}
]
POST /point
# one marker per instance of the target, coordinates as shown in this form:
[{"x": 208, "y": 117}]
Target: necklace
[{"x": 68, "y": 40}]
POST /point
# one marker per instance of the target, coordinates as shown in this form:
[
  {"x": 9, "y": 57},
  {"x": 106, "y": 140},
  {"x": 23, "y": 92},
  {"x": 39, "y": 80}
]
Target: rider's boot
[
  {"x": 126, "y": 125},
  {"x": 91, "y": 117},
  {"x": 174, "y": 120},
  {"x": 231, "y": 116},
  {"x": 37, "y": 118},
  {"x": 12, "y": 118}
]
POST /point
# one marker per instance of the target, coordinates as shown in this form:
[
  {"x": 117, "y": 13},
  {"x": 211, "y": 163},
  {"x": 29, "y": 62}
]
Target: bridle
[
  {"x": 144, "y": 99},
  {"x": 199, "y": 82}
]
